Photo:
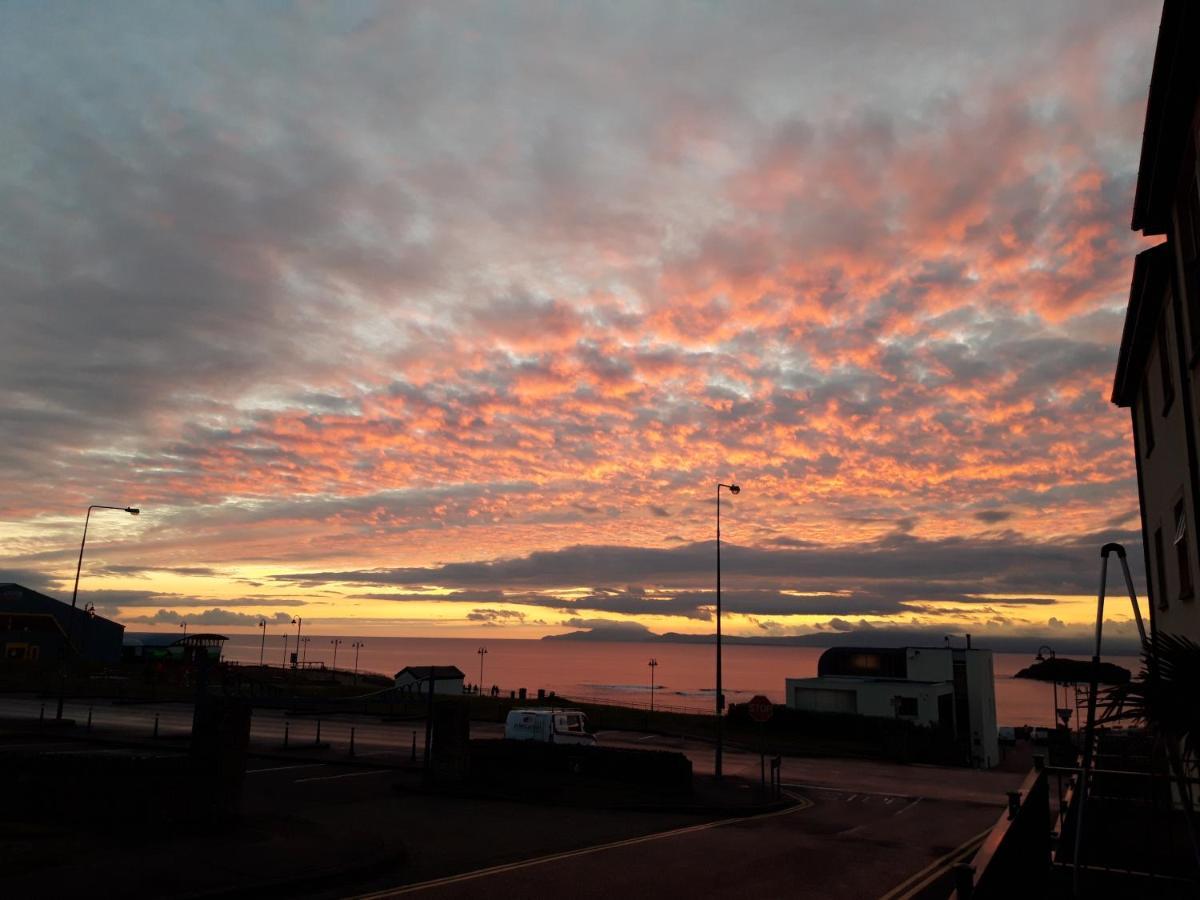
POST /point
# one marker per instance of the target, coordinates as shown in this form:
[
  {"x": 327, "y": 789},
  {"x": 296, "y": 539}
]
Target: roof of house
[
  {"x": 1151, "y": 271},
  {"x": 439, "y": 672},
  {"x": 16, "y": 598},
  {"x": 1174, "y": 87}
]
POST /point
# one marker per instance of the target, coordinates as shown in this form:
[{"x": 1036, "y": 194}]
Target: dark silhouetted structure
[
  {"x": 1158, "y": 377},
  {"x": 36, "y": 628}
]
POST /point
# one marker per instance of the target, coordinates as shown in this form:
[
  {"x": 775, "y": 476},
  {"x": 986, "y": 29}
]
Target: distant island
[
  {"x": 863, "y": 637},
  {"x": 1074, "y": 671}
]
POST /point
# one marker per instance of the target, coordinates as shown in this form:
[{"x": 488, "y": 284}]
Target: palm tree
[{"x": 1163, "y": 697}]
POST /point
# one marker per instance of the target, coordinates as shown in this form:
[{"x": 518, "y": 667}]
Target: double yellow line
[
  {"x": 914, "y": 884},
  {"x": 801, "y": 803}
]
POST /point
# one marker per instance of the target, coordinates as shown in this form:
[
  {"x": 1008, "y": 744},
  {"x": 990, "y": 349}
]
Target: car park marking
[{"x": 801, "y": 804}]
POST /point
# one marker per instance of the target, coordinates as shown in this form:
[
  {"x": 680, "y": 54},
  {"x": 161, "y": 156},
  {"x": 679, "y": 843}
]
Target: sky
[{"x": 446, "y": 319}]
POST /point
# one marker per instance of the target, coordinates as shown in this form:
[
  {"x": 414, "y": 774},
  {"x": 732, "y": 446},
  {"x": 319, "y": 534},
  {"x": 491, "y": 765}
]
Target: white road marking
[
  {"x": 284, "y": 768},
  {"x": 554, "y": 857},
  {"x": 344, "y": 775}
]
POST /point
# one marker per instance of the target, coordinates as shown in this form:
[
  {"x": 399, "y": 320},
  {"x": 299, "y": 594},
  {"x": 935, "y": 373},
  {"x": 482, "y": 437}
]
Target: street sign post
[{"x": 761, "y": 709}]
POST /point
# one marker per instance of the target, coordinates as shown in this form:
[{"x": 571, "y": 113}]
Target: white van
[{"x": 550, "y": 726}]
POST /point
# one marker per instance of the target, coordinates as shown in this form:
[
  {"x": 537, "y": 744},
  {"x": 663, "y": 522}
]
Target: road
[{"x": 862, "y": 828}]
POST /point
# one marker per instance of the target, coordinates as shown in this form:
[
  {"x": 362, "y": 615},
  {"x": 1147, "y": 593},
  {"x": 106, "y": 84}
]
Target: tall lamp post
[
  {"x": 183, "y": 625},
  {"x": 133, "y": 511},
  {"x": 304, "y": 654},
  {"x": 297, "y": 622},
  {"x": 733, "y": 489},
  {"x": 653, "y": 664},
  {"x": 482, "y": 651},
  {"x": 337, "y": 642},
  {"x": 262, "y": 647},
  {"x": 357, "y": 645},
  {"x": 1041, "y": 657}
]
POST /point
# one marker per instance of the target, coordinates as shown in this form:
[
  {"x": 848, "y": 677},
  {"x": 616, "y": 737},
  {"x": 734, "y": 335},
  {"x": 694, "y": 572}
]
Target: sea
[{"x": 615, "y": 672}]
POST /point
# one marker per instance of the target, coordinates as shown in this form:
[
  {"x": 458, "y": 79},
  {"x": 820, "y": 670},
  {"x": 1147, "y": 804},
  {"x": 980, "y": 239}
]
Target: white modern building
[
  {"x": 946, "y": 687},
  {"x": 415, "y": 679}
]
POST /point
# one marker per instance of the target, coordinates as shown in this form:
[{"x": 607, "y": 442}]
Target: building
[
  {"x": 415, "y": 679},
  {"x": 1158, "y": 376},
  {"x": 942, "y": 687},
  {"x": 35, "y": 628},
  {"x": 189, "y": 649}
]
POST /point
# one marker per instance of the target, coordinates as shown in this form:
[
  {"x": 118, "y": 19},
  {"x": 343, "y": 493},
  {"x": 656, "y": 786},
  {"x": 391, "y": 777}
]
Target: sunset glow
[{"x": 425, "y": 324}]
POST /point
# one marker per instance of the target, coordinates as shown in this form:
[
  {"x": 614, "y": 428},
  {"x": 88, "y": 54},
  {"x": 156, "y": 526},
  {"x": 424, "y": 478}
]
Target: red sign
[{"x": 760, "y": 708}]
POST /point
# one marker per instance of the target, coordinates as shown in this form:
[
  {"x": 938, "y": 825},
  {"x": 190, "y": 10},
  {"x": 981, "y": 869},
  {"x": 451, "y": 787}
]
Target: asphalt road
[{"x": 862, "y": 828}]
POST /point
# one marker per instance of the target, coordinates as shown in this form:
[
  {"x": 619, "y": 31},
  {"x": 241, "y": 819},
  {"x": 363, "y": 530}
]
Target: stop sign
[{"x": 760, "y": 708}]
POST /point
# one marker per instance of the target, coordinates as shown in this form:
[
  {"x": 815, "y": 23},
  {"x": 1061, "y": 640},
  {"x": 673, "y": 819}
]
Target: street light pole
[
  {"x": 262, "y": 647},
  {"x": 337, "y": 642},
  {"x": 1053, "y": 683},
  {"x": 183, "y": 625},
  {"x": 62, "y": 687},
  {"x": 357, "y": 645},
  {"x": 304, "y": 655},
  {"x": 482, "y": 651},
  {"x": 653, "y": 664},
  {"x": 297, "y": 622},
  {"x": 733, "y": 489}
]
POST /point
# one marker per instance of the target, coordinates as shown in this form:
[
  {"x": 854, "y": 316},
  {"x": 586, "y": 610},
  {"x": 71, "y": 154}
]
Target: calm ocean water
[{"x": 619, "y": 671}]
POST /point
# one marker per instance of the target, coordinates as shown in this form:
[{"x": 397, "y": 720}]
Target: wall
[{"x": 872, "y": 698}]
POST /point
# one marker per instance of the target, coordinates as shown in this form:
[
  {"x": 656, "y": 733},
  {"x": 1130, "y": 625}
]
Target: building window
[
  {"x": 1147, "y": 417},
  {"x": 1164, "y": 363},
  {"x": 1160, "y": 569},
  {"x": 1181, "y": 552},
  {"x": 906, "y": 706}
]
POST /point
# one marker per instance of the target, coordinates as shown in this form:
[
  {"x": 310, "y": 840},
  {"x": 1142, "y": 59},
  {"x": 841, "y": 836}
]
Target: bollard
[
  {"x": 318, "y": 738},
  {"x": 286, "y": 725},
  {"x": 156, "y": 726},
  {"x": 413, "y": 757},
  {"x": 351, "y": 740},
  {"x": 89, "y": 725}
]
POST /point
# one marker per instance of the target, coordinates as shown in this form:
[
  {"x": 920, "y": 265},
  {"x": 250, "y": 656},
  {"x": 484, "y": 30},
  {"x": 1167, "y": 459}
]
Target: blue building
[{"x": 36, "y": 628}]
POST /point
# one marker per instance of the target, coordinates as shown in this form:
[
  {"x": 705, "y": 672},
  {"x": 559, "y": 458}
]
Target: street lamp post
[
  {"x": 357, "y": 645},
  {"x": 482, "y": 651},
  {"x": 304, "y": 654},
  {"x": 337, "y": 642},
  {"x": 297, "y": 621},
  {"x": 283, "y": 659},
  {"x": 183, "y": 625},
  {"x": 733, "y": 489},
  {"x": 1041, "y": 657},
  {"x": 133, "y": 511},
  {"x": 653, "y": 664},
  {"x": 262, "y": 647}
]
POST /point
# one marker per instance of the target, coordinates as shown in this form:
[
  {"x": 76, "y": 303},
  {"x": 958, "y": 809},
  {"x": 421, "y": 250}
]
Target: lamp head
[
  {"x": 735, "y": 489},
  {"x": 133, "y": 510}
]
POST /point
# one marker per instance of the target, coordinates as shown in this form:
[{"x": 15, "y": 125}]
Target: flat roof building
[{"x": 941, "y": 687}]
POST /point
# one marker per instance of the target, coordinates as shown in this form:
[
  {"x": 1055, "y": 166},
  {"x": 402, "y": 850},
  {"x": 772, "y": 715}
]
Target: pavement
[{"x": 859, "y": 828}]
